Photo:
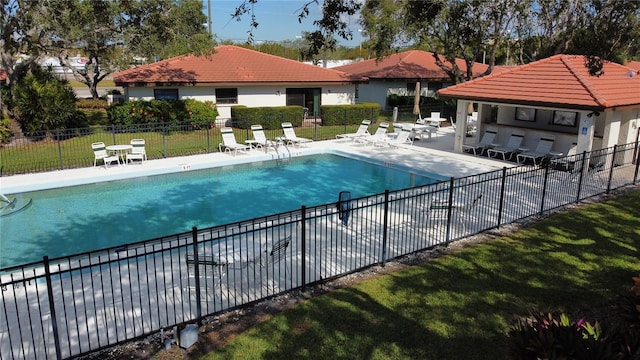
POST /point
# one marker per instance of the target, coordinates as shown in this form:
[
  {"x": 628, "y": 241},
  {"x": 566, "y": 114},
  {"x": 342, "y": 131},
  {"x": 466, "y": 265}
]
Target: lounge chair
[
  {"x": 402, "y": 138},
  {"x": 229, "y": 142},
  {"x": 290, "y": 136},
  {"x": 512, "y": 146},
  {"x": 260, "y": 139},
  {"x": 484, "y": 144},
  {"x": 380, "y": 134},
  {"x": 567, "y": 162},
  {"x": 542, "y": 150},
  {"x": 363, "y": 130},
  {"x": 137, "y": 152},
  {"x": 100, "y": 153}
]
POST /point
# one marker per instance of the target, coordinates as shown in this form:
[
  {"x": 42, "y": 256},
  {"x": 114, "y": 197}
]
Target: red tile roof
[
  {"x": 412, "y": 64},
  {"x": 3, "y": 75},
  {"x": 559, "y": 81},
  {"x": 635, "y": 65},
  {"x": 229, "y": 65}
]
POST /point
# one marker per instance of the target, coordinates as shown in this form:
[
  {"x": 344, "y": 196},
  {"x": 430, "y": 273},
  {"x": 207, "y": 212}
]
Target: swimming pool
[{"x": 72, "y": 220}]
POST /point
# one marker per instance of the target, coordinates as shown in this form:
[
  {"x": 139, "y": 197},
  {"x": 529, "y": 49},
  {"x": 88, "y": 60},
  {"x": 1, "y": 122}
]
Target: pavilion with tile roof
[
  {"x": 233, "y": 75},
  {"x": 398, "y": 74},
  {"x": 562, "y": 99}
]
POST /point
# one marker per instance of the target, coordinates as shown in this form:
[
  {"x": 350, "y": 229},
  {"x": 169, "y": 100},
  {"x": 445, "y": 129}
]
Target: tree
[
  {"x": 111, "y": 33},
  {"x": 599, "y": 29}
]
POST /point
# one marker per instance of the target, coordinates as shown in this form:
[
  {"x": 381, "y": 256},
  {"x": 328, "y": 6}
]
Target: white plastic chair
[
  {"x": 363, "y": 130},
  {"x": 485, "y": 143},
  {"x": 138, "y": 151},
  {"x": 100, "y": 153}
]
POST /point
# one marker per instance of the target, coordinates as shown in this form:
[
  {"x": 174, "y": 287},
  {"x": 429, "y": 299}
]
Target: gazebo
[{"x": 555, "y": 96}]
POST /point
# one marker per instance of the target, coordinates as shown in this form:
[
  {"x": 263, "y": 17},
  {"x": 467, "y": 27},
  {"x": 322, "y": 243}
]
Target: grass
[
  {"x": 460, "y": 306},
  {"x": 47, "y": 154}
]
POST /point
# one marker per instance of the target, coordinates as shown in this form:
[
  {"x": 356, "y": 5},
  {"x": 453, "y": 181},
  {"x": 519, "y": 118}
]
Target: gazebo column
[
  {"x": 586, "y": 129},
  {"x": 461, "y": 125},
  {"x": 611, "y": 129}
]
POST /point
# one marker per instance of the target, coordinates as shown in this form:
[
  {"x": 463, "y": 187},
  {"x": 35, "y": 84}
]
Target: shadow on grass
[{"x": 460, "y": 306}]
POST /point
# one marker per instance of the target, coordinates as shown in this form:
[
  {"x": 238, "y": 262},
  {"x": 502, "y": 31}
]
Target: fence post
[
  {"x": 52, "y": 308},
  {"x": 384, "y": 227},
  {"x": 196, "y": 273},
  {"x": 613, "y": 161},
  {"x": 164, "y": 140},
  {"x": 113, "y": 132},
  {"x": 303, "y": 270},
  {"x": 503, "y": 185},
  {"x": 208, "y": 132},
  {"x": 59, "y": 148},
  {"x": 544, "y": 187},
  {"x": 449, "y": 212},
  {"x": 582, "y": 166}
]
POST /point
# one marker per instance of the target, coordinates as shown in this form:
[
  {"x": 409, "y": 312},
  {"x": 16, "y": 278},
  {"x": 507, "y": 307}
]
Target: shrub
[
  {"x": 44, "y": 102},
  {"x": 92, "y": 103},
  {"x": 270, "y": 117},
  {"x": 552, "y": 335},
  {"x": 173, "y": 112},
  {"x": 200, "y": 113},
  {"x": 349, "y": 114},
  {"x": 5, "y": 132}
]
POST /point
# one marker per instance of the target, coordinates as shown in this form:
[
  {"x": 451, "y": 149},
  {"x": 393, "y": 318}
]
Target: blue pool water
[{"x": 76, "y": 219}]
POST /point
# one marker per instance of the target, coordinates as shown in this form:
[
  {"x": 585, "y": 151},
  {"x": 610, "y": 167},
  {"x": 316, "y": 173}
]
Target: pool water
[{"x": 67, "y": 221}]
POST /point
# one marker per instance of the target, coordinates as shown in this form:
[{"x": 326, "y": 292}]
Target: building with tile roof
[
  {"x": 233, "y": 75},
  {"x": 554, "y": 96},
  {"x": 398, "y": 74}
]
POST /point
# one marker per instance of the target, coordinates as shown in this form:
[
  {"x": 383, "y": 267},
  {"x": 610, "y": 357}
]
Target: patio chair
[
  {"x": 137, "y": 152},
  {"x": 260, "y": 139},
  {"x": 402, "y": 138},
  {"x": 363, "y": 130},
  {"x": 438, "y": 213},
  {"x": 100, "y": 153},
  {"x": 290, "y": 136},
  {"x": 484, "y": 144},
  {"x": 507, "y": 151},
  {"x": 567, "y": 162},
  {"x": 543, "y": 149},
  {"x": 229, "y": 142},
  {"x": 380, "y": 134},
  {"x": 209, "y": 266}
]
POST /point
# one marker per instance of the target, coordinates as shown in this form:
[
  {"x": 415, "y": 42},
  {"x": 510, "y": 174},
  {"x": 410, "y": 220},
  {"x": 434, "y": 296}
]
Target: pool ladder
[{"x": 284, "y": 156}]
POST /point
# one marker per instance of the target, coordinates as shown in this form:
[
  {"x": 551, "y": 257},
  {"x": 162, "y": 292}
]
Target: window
[
  {"x": 227, "y": 96},
  {"x": 165, "y": 94}
]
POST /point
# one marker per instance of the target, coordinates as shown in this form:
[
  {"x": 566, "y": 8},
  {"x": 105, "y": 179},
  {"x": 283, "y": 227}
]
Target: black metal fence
[
  {"x": 71, "y": 148},
  {"x": 64, "y": 307}
]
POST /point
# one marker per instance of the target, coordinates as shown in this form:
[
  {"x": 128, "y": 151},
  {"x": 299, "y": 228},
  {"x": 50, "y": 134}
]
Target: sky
[{"x": 277, "y": 19}]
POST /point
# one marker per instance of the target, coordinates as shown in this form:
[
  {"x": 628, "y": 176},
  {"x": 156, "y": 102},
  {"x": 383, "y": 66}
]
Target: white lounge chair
[
  {"x": 363, "y": 130},
  {"x": 566, "y": 162},
  {"x": 402, "y": 138},
  {"x": 542, "y": 150},
  {"x": 229, "y": 142},
  {"x": 380, "y": 134},
  {"x": 260, "y": 139},
  {"x": 512, "y": 146},
  {"x": 290, "y": 136},
  {"x": 485, "y": 143},
  {"x": 100, "y": 153},
  {"x": 138, "y": 151}
]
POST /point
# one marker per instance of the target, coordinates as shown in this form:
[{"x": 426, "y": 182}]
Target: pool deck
[{"x": 433, "y": 155}]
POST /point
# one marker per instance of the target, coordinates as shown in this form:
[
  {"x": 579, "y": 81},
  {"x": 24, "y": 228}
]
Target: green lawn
[{"x": 460, "y": 306}]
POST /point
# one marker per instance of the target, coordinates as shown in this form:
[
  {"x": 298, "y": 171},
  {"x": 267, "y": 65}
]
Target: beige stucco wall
[{"x": 252, "y": 96}]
